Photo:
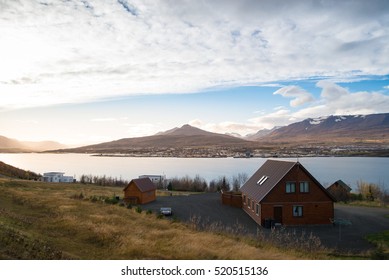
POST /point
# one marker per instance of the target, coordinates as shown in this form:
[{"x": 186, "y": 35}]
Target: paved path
[{"x": 207, "y": 209}]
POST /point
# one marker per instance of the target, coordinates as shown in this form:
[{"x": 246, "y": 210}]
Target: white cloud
[
  {"x": 299, "y": 95},
  {"x": 76, "y": 51},
  {"x": 104, "y": 120},
  {"x": 141, "y": 129},
  {"x": 334, "y": 100}
]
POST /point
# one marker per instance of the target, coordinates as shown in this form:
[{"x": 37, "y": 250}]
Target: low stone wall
[{"x": 232, "y": 199}]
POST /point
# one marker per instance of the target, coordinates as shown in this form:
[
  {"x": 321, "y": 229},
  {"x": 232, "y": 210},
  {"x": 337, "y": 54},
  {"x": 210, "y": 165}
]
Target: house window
[
  {"x": 304, "y": 187},
  {"x": 248, "y": 202},
  {"x": 297, "y": 211},
  {"x": 244, "y": 199},
  {"x": 252, "y": 204},
  {"x": 290, "y": 187},
  {"x": 257, "y": 209}
]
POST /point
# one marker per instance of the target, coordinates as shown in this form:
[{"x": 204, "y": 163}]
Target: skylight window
[{"x": 262, "y": 180}]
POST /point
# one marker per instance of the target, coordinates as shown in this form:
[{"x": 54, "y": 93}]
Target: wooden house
[
  {"x": 340, "y": 191},
  {"x": 140, "y": 191},
  {"x": 286, "y": 193}
]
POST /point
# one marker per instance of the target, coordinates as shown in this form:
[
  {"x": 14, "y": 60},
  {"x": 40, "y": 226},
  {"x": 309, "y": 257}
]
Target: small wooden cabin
[
  {"x": 286, "y": 193},
  {"x": 140, "y": 191},
  {"x": 340, "y": 191}
]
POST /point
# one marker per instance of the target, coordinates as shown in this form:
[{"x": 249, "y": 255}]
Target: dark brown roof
[
  {"x": 275, "y": 170},
  {"x": 143, "y": 184},
  {"x": 342, "y": 184}
]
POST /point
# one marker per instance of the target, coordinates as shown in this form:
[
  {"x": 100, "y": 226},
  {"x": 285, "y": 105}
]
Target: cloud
[
  {"x": 299, "y": 95},
  {"x": 104, "y": 120},
  {"x": 141, "y": 129},
  {"x": 79, "y": 51},
  {"x": 333, "y": 100}
]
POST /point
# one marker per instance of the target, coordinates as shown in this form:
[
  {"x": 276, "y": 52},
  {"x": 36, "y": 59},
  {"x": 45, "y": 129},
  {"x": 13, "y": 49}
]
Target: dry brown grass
[{"x": 54, "y": 225}]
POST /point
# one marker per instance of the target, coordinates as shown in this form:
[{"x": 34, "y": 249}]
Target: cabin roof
[
  {"x": 143, "y": 184},
  {"x": 343, "y": 185}
]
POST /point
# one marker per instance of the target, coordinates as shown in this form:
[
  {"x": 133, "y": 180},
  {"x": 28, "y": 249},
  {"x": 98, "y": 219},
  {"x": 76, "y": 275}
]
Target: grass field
[{"x": 60, "y": 221}]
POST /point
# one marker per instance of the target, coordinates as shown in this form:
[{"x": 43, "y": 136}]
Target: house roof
[
  {"x": 143, "y": 184},
  {"x": 274, "y": 170},
  {"x": 343, "y": 185},
  {"x": 268, "y": 176}
]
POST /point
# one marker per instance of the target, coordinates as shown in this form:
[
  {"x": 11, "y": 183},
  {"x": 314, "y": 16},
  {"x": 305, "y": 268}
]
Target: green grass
[
  {"x": 381, "y": 240},
  {"x": 59, "y": 221}
]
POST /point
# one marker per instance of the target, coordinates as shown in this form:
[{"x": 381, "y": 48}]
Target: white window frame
[
  {"x": 298, "y": 211},
  {"x": 257, "y": 209},
  {"x": 304, "y": 187},
  {"x": 288, "y": 187}
]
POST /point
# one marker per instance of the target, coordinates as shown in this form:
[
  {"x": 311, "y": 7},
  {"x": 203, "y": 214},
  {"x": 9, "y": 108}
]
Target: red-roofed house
[
  {"x": 288, "y": 194},
  {"x": 140, "y": 191}
]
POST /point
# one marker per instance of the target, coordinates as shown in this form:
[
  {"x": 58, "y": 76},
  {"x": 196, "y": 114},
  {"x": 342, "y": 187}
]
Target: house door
[{"x": 278, "y": 214}]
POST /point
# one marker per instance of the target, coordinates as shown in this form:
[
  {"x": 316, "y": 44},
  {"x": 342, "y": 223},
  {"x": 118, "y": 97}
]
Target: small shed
[
  {"x": 140, "y": 191},
  {"x": 340, "y": 191}
]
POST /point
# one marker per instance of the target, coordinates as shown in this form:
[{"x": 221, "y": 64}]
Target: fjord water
[{"x": 325, "y": 169}]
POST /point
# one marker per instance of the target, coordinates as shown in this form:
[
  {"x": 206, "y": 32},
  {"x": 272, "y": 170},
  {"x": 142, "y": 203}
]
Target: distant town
[{"x": 266, "y": 152}]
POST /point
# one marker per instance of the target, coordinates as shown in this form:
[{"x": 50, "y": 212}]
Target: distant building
[
  {"x": 57, "y": 177},
  {"x": 156, "y": 179},
  {"x": 340, "y": 190}
]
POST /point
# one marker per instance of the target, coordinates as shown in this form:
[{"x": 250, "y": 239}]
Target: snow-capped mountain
[{"x": 352, "y": 128}]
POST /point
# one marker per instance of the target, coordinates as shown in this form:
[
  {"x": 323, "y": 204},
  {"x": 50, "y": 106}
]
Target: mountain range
[
  {"x": 329, "y": 130},
  {"x": 177, "y": 138},
  {"x": 372, "y": 128},
  {"x": 8, "y": 145}
]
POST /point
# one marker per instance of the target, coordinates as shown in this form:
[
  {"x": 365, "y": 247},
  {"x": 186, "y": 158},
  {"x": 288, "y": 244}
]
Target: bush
[
  {"x": 370, "y": 191},
  {"x": 138, "y": 209},
  {"x": 112, "y": 200}
]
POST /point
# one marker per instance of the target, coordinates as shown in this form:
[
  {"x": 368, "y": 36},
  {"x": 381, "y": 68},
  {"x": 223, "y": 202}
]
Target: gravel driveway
[{"x": 208, "y": 209}]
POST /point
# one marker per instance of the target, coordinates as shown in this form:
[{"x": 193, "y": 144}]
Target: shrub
[
  {"x": 112, "y": 200},
  {"x": 138, "y": 209}
]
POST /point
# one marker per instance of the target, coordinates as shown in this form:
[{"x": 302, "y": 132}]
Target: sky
[{"x": 89, "y": 71}]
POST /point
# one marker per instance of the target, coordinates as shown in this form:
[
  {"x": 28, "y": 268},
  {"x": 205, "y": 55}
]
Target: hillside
[
  {"x": 185, "y": 137},
  {"x": 10, "y": 171},
  {"x": 334, "y": 129},
  {"x": 8, "y": 145},
  {"x": 69, "y": 221}
]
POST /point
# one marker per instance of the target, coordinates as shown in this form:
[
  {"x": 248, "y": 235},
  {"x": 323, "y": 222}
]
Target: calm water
[{"x": 326, "y": 169}]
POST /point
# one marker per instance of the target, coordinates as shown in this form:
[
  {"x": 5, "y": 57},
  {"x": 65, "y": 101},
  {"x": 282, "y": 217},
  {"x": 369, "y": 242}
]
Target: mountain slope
[
  {"x": 12, "y": 145},
  {"x": 261, "y": 134},
  {"x": 7, "y": 170},
  {"x": 350, "y": 128},
  {"x": 178, "y": 138}
]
